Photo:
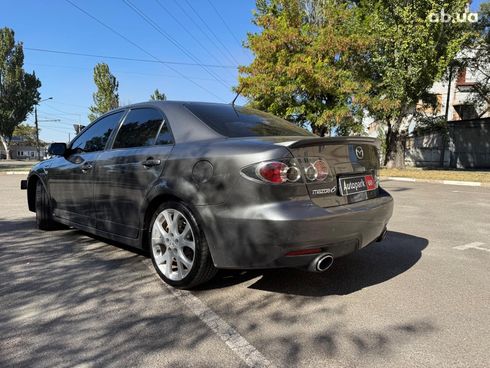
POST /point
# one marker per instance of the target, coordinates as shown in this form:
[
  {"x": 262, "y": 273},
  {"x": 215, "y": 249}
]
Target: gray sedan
[{"x": 204, "y": 186}]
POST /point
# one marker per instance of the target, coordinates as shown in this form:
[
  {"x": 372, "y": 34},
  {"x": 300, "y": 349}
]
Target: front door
[
  {"x": 71, "y": 180},
  {"x": 126, "y": 172}
]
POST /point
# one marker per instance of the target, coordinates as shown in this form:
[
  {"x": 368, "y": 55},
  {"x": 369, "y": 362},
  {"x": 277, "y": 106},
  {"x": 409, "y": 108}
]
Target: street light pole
[
  {"x": 37, "y": 134},
  {"x": 38, "y": 148}
]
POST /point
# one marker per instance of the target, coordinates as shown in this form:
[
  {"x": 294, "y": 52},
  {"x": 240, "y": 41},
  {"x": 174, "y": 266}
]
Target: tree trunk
[
  {"x": 5, "y": 147},
  {"x": 321, "y": 131},
  {"x": 395, "y": 146}
]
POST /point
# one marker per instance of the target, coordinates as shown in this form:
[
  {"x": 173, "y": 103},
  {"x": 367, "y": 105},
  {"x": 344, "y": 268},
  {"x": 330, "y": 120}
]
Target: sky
[
  {"x": 183, "y": 31},
  {"x": 205, "y": 33}
]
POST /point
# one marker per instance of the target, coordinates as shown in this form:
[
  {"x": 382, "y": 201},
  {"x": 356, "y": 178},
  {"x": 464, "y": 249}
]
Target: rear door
[
  {"x": 71, "y": 178},
  {"x": 128, "y": 170},
  {"x": 353, "y": 164}
]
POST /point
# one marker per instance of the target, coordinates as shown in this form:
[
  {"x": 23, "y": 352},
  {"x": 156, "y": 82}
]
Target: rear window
[{"x": 237, "y": 121}]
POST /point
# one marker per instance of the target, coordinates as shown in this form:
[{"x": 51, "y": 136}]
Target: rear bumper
[{"x": 260, "y": 235}]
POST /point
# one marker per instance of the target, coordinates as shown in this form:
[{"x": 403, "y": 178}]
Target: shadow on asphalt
[
  {"x": 372, "y": 265},
  {"x": 369, "y": 266},
  {"x": 69, "y": 299},
  {"x": 400, "y": 189}
]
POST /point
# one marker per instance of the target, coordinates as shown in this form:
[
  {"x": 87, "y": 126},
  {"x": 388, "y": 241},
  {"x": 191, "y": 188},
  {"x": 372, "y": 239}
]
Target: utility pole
[
  {"x": 36, "y": 122},
  {"x": 37, "y": 134}
]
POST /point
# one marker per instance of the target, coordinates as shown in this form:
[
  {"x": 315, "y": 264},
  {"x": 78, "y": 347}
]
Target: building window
[
  {"x": 461, "y": 77},
  {"x": 466, "y": 112}
]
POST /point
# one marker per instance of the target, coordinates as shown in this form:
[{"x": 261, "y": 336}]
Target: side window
[
  {"x": 95, "y": 138},
  {"x": 140, "y": 129},
  {"x": 164, "y": 137}
]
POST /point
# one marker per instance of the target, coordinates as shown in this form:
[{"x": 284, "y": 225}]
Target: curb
[
  {"x": 14, "y": 172},
  {"x": 433, "y": 181}
]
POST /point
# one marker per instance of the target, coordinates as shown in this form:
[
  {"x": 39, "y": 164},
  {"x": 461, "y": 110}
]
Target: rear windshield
[{"x": 236, "y": 121}]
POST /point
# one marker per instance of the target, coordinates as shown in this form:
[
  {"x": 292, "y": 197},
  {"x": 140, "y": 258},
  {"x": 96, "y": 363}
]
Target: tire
[
  {"x": 44, "y": 216},
  {"x": 178, "y": 247}
]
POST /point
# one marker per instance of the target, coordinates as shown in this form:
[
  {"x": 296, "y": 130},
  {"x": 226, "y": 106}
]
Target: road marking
[
  {"x": 474, "y": 245},
  {"x": 467, "y": 191},
  {"x": 399, "y": 178},
  {"x": 466, "y": 183},
  {"x": 230, "y": 336}
]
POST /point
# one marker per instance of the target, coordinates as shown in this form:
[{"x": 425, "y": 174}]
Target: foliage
[
  {"x": 106, "y": 97},
  {"x": 27, "y": 133},
  {"x": 18, "y": 89},
  {"x": 158, "y": 96},
  {"x": 480, "y": 62},
  {"x": 411, "y": 52},
  {"x": 327, "y": 62},
  {"x": 306, "y": 63}
]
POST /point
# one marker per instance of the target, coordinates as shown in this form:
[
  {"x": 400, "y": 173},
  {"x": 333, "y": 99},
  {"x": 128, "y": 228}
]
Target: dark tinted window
[
  {"x": 96, "y": 136},
  {"x": 139, "y": 129},
  {"x": 164, "y": 137},
  {"x": 243, "y": 121}
]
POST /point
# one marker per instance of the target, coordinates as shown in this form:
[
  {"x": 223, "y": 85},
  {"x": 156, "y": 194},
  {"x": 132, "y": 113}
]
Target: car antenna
[{"x": 238, "y": 94}]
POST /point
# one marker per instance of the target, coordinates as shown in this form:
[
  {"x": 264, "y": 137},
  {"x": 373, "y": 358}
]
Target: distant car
[{"x": 203, "y": 186}]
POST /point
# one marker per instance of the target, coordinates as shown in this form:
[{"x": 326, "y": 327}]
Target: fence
[{"x": 466, "y": 147}]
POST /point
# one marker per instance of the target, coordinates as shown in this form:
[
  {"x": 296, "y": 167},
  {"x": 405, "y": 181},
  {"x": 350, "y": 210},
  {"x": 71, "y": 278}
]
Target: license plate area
[{"x": 356, "y": 184}]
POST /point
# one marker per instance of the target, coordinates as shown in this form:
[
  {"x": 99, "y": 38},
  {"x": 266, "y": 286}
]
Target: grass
[
  {"x": 438, "y": 174},
  {"x": 16, "y": 165}
]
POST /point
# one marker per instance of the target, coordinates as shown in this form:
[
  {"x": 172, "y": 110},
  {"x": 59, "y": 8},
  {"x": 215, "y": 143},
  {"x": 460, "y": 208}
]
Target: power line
[
  {"x": 225, "y": 24},
  {"x": 128, "y": 58},
  {"x": 211, "y": 31},
  {"x": 177, "y": 44},
  {"x": 68, "y": 104},
  {"x": 117, "y": 71},
  {"x": 61, "y": 111},
  {"x": 186, "y": 13},
  {"x": 141, "y": 49},
  {"x": 168, "y": 12}
]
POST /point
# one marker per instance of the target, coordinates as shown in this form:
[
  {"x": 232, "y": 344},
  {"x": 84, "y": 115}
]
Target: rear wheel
[
  {"x": 178, "y": 247},
  {"x": 44, "y": 215}
]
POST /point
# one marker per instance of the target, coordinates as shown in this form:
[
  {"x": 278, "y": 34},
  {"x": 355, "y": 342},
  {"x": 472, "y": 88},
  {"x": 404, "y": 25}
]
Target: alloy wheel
[{"x": 173, "y": 244}]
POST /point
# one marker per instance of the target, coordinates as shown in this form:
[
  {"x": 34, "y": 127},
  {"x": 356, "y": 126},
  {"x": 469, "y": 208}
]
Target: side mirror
[{"x": 57, "y": 149}]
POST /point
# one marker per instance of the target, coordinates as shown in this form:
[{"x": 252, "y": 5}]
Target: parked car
[{"x": 204, "y": 186}]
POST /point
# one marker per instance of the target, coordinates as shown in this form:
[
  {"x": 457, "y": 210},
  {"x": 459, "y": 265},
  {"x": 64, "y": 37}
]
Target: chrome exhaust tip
[{"x": 321, "y": 263}]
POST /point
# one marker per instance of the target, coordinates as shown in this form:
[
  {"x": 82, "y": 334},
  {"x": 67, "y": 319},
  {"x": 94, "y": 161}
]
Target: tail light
[
  {"x": 278, "y": 172},
  {"x": 309, "y": 169}
]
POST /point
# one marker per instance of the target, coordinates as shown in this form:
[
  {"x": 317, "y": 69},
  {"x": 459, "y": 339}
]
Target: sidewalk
[{"x": 437, "y": 176}]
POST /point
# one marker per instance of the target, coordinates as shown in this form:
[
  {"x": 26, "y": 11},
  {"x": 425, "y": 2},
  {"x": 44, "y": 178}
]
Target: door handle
[
  {"x": 86, "y": 167},
  {"x": 149, "y": 162}
]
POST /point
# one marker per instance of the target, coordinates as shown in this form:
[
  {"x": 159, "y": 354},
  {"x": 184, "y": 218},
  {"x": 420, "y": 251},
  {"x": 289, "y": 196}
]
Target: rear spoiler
[{"x": 332, "y": 140}]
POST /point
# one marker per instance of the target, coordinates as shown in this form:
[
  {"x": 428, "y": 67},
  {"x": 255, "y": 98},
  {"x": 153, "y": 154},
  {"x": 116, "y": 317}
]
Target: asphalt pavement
[{"x": 420, "y": 298}]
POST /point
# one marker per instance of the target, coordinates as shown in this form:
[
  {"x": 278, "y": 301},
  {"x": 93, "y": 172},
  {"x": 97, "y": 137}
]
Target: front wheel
[
  {"x": 178, "y": 247},
  {"x": 44, "y": 216}
]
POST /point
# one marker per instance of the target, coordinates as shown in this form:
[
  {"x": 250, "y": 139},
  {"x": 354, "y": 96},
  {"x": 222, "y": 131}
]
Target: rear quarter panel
[{"x": 226, "y": 157}]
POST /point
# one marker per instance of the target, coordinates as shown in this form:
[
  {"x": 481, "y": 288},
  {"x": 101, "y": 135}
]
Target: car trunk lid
[{"x": 353, "y": 168}]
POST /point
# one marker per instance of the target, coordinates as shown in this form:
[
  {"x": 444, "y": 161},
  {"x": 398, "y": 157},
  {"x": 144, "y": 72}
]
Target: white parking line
[
  {"x": 236, "y": 342},
  {"x": 467, "y": 191},
  {"x": 474, "y": 245}
]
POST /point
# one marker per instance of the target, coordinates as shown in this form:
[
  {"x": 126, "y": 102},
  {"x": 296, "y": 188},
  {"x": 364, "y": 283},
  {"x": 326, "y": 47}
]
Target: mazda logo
[{"x": 359, "y": 152}]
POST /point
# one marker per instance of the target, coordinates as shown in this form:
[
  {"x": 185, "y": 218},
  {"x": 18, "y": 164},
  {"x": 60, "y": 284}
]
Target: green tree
[
  {"x": 307, "y": 57},
  {"x": 158, "y": 96},
  {"x": 411, "y": 52},
  {"x": 18, "y": 89},
  {"x": 27, "y": 133},
  {"x": 479, "y": 62},
  {"x": 106, "y": 97}
]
